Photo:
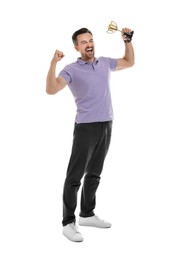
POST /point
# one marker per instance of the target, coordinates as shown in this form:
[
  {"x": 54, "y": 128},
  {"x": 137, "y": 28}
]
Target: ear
[{"x": 76, "y": 47}]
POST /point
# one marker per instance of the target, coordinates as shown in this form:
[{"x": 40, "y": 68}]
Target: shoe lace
[{"x": 99, "y": 218}]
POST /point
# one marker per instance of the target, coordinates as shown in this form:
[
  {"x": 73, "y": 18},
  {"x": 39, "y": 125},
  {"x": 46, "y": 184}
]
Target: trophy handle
[
  {"x": 113, "y": 27},
  {"x": 113, "y": 23}
]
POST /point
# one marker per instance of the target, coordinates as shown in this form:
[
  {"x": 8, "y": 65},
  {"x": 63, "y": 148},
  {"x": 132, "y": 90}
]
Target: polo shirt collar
[{"x": 82, "y": 62}]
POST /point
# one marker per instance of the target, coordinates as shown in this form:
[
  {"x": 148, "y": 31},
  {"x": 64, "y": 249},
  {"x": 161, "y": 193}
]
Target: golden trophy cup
[{"x": 112, "y": 28}]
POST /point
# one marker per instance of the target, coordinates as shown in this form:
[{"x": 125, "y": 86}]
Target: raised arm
[
  {"x": 128, "y": 59},
  {"x": 53, "y": 83}
]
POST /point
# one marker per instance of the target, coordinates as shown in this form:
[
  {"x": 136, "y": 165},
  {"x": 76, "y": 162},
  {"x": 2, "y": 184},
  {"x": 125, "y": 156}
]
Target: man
[{"x": 88, "y": 80}]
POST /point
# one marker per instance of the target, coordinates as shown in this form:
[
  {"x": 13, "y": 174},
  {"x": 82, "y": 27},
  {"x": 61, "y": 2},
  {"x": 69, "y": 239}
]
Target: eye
[{"x": 83, "y": 42}]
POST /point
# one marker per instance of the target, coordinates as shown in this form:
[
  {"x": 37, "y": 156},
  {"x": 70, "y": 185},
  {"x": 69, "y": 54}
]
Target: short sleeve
[
  {"x": 110, "y": 62},
  {"x": 65, "y": 73},
  {"x": 113, "y": 64}
]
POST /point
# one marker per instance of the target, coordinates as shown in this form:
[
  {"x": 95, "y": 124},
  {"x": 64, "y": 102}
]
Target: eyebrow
[{"x": 86, "y": 40}]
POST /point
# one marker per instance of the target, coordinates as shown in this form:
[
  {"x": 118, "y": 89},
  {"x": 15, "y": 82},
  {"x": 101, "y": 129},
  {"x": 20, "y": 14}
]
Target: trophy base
[{"x": 128, "y": 36}]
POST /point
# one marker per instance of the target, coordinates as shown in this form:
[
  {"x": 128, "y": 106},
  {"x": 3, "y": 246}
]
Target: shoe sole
[{"x": 79, "y": 240}]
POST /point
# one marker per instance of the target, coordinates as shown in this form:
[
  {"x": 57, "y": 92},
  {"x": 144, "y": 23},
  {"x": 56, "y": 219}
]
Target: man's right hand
[{"x": 58, "y": 55}]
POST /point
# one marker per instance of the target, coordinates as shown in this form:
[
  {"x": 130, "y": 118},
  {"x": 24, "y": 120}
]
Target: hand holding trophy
[{"x": 113, "y": 28}]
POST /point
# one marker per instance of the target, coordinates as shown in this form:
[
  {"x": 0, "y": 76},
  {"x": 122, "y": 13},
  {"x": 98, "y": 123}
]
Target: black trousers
[{"x": 90, "y": 146}]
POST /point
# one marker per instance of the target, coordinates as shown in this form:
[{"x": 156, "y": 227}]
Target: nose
[{"x": 89, "y": 45}]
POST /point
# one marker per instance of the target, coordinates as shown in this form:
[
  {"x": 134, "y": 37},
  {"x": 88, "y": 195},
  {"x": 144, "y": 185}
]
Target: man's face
[{"x": 85, "y": 46}]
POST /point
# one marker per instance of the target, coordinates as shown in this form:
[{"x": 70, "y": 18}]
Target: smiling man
[{"x": 88, "y": 80}]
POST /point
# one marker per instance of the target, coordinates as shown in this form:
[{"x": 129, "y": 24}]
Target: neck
[{"x": 88, "y": 60}]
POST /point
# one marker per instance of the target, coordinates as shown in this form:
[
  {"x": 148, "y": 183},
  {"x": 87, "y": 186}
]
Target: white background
[{"x": 139, "y": 187}]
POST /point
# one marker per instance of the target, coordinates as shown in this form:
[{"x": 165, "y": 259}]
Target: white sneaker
[
  {"x": 72, "y": 233},
  {"x": 94, "y": 221}
]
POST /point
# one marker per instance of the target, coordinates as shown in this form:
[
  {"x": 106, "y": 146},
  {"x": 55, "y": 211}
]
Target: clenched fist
[
  {"x": 127, "y": 34},
  {"x": 58, "y": 55}
]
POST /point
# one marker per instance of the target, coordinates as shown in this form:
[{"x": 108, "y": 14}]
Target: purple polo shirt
[{"x": 89, "y": 84}]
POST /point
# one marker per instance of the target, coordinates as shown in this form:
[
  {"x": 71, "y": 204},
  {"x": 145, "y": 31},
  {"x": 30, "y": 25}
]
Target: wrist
[
  {"x": 126, "y": 41},
  {"x": 53, "y": 63}
]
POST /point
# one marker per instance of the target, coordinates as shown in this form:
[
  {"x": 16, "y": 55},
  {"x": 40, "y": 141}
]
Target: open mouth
[{"x": 89, "y": 50}]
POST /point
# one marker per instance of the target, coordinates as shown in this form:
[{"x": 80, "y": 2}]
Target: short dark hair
[{"x": 80, "y": 31}]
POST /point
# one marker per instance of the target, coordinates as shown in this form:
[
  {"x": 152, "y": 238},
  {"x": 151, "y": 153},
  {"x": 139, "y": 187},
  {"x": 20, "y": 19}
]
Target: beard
[{"x": 88, "y": 54}]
